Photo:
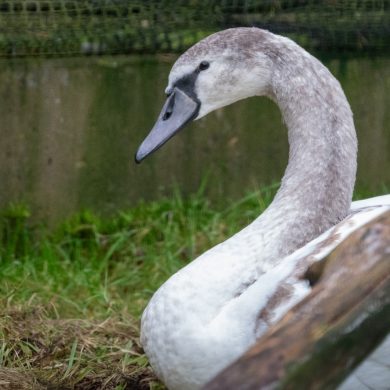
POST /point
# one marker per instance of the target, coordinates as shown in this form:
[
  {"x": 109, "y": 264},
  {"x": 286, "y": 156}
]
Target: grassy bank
[{"x": 71, "y": 299}]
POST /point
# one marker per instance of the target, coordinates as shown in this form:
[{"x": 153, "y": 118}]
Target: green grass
[{"x": 71, "y": 299}]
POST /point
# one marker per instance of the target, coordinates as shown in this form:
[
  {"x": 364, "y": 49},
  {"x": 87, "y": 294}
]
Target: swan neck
[{"x": 316, "y": 189}]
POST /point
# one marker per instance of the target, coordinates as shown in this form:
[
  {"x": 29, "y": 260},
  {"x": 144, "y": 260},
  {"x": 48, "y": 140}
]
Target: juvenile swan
[{"x": 207, "y": 314}]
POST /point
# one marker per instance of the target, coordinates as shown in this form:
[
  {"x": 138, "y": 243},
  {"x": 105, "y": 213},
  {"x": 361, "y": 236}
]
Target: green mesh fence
[{"x": 66, "y": 27}]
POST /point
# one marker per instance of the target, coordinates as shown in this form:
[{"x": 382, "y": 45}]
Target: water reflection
[{"x": 70, "y": 127}]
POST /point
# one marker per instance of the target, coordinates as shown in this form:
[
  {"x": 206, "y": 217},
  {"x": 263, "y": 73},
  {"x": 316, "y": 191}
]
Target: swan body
[{"x": 211, "y": 311}]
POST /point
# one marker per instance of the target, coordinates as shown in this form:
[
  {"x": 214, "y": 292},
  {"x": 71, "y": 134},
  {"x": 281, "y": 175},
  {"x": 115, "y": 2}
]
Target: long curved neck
[
  {"x": 316, "y": 190},
  {"x": 219, "y": 296}
]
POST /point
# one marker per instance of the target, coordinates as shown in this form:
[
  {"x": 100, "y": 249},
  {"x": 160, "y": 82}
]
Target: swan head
[{"x": 219, "y": 70}]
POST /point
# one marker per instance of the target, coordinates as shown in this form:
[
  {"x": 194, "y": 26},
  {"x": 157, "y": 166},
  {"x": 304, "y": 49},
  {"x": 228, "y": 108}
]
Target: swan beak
[{"x": 178, "y": 110}]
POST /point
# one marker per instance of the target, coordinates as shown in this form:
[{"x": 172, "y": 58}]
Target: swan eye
[{"x": 204, "y": 65}]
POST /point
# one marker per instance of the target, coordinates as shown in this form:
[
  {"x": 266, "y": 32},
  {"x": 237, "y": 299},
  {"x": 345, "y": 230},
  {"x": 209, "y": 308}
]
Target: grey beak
[{"x": 178, "y": 110}]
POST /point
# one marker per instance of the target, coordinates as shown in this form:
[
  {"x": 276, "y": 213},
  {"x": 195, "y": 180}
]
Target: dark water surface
[{"x": 70, "y": 127}]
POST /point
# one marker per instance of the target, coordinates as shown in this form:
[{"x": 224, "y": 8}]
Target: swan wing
[
  {"x": 294, "y": 287},
  {"x": 374, "y": 371}
]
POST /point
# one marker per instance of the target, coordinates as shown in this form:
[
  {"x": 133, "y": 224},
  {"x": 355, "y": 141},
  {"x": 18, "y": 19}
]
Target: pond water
[{"x": 70, "y": 127}]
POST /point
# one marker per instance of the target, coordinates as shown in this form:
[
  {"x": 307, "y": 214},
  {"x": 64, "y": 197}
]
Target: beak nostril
[
  {"x": 169, "y": 110},
  {"x": 166, "y": 115}
]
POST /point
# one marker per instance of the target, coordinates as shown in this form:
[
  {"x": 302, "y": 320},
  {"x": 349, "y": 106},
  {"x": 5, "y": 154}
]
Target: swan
[{"x": 212, "y": 310}]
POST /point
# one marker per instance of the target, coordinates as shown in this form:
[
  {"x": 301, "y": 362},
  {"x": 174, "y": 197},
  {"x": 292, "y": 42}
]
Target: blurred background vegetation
[{"x": 68, "y": 27}]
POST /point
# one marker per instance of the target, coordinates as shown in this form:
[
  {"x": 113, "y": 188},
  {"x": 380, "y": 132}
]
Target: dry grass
[{"x": 42, "y": 352}]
